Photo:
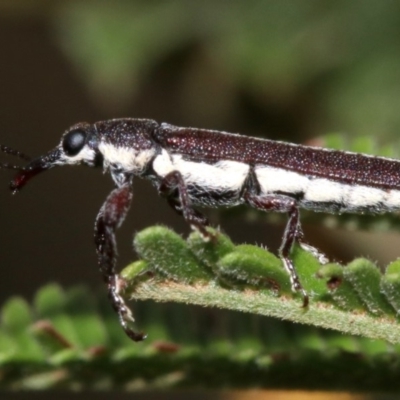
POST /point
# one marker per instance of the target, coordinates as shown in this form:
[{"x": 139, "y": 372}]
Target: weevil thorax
[
  {"x": 122, "y": 146},
  {"x": 126, "y": 146}
]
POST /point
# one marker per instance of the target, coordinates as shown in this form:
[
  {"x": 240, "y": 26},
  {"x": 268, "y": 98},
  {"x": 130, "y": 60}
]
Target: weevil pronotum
[{"x": 200, "y": 167}]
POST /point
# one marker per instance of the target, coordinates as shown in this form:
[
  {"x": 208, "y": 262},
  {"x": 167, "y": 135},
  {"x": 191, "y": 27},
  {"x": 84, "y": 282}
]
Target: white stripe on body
[
  {"x": 316, "y": 193},
  {"x": 321, "y": 190},
  {"x": 219, "y": 177}
]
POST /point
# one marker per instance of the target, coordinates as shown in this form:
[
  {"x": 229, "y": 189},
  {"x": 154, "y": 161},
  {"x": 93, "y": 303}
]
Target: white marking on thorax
[
  {"x": 322, "y": 190},
  {"x": 221, "y": 176},
  {"x": 129, "y": 159},
  {"x": 86, "y": 154}
]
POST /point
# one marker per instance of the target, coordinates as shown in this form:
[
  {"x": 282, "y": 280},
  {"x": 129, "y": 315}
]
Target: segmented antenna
[{"x": 12, "y": 152}]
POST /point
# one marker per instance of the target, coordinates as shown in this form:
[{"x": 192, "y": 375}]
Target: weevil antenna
[
  {"x": 10, "y": 166},
  {"x": 12, "y": 152}
]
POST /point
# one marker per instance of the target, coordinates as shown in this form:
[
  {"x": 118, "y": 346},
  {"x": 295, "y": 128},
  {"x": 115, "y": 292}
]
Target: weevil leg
[
  {"x": 174, "y": 189},
  {"x": 291, "y": 234},
  {"x": 293, "y": 231},
  {"x": 321, "y": 257},
  {"x": 110, "y": 217}
]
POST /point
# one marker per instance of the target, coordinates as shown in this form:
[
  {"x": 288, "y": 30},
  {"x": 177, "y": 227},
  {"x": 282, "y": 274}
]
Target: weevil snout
[
  {"x": 34, "y": 168},
  {"x": 78, "y": 145}
]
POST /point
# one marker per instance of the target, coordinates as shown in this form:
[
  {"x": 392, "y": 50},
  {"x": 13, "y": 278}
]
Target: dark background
[{"x": 285, "y": 70}]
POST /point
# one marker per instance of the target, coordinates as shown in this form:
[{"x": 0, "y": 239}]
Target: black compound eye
[{"x": 73, "y": 142}]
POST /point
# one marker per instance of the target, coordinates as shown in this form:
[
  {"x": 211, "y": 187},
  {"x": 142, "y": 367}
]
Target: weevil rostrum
[{"x": 199, "y": 167}]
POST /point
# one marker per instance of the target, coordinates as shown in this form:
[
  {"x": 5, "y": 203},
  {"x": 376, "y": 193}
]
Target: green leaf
[
  {"x": 365, "y": 279},
  {"x": 390, "y": 285},
  {"x": 186, "y": 348},
  {"x": 255, "y": 266},
  {"x": 167, "y": 253},
  {"x": 16, "y": 315},
  {"x": 250, "y": 279},
  {"x": 340, "y": 289},
  {"x": 212, "y": 250},
  {"x": 50, "y": 304},
  {"x": 15, "y": 338},
  {"x": 137, "y": 271}
]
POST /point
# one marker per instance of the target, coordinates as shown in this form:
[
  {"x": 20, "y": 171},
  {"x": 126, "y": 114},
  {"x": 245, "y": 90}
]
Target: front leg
[
  {"x": 174, "y": 188},
  {"x": 110, "y": 217}
]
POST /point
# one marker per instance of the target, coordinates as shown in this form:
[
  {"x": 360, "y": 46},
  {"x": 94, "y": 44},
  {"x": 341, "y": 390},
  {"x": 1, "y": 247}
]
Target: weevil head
[
  {"x": 78, "y": 145},
  {"x": 123, "y": 146}
]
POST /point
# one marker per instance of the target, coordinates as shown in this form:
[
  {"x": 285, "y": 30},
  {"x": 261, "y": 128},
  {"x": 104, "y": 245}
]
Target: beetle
[{"x": 200, "y": 167}]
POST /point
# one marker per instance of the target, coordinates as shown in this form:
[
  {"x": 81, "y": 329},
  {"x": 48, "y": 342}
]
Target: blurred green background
[{"x": 289, "y": 70}]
